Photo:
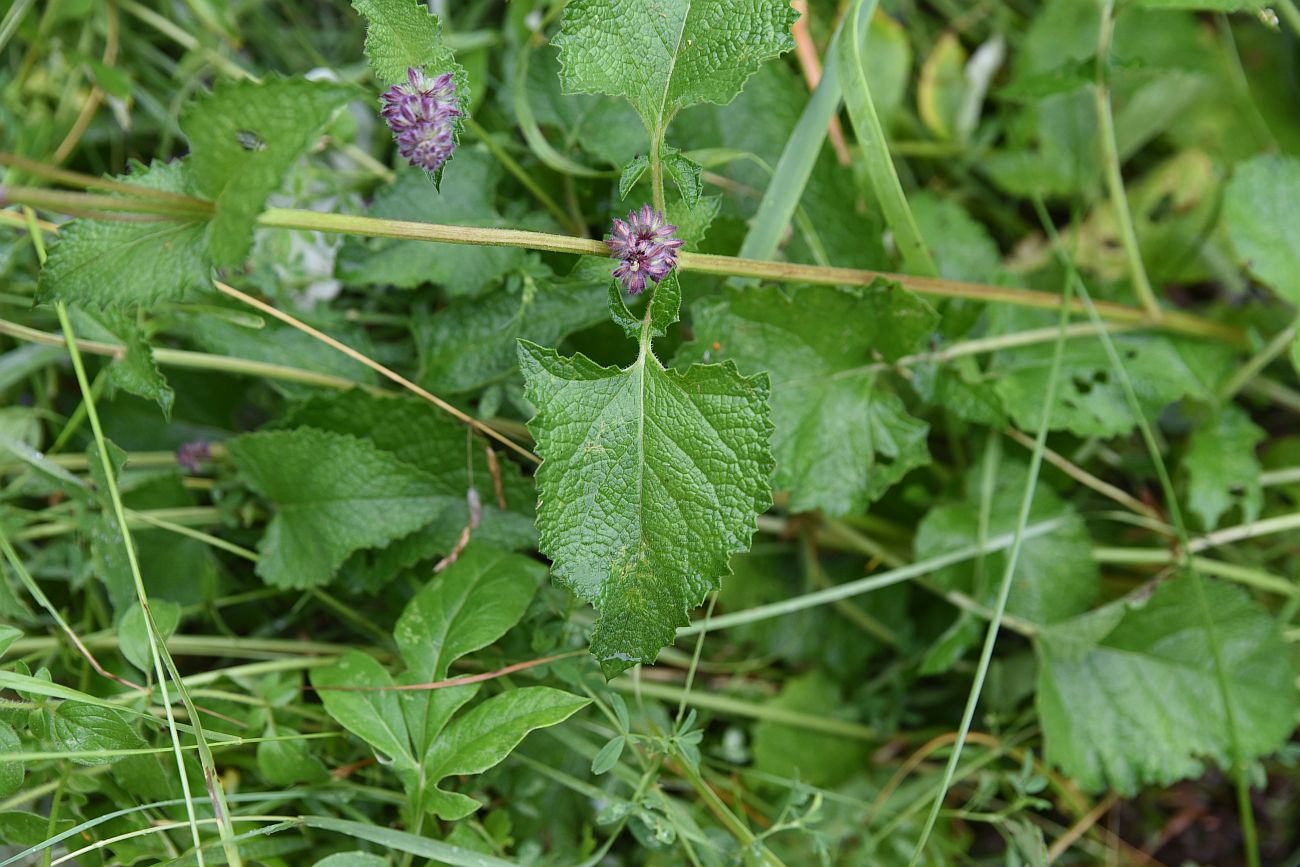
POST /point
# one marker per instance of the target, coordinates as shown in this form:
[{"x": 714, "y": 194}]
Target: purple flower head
[
  {"x": 191, "y": 455},
  {"x": 645, "y": 247},
  {"x": 422, "y": 116}
]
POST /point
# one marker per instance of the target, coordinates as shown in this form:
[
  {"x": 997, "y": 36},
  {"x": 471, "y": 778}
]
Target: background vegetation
[{"x": 1027, "y": 591}]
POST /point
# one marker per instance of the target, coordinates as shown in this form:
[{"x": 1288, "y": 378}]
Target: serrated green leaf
[
  {"x": 429, "y": 441},
  {"x": 109, "y": 263},
  {"x": 665, "y": 308},
  {"x": 1128, "y": 694},
  {"x": 1056, "y": 576},
  {"x": 471, "y": 342},
  {"x": 664, "y": 56},
  {"x": 465, "y": 199},
  {"x": 1259, "y": 211},
  {"x": 843, "y": 436},
  {"x": 486, "y": 735},
  {"x": 137, "y": 372},
  {"x": 374, "y": 715},
  {"x": 334, "y": 494},
  {"x": 464, "y": 608},
  {"x": 632, "y": 172},
  {"x": 244, "y": 136},
  {"x": 403, "y": 34},
  {"x": 83, "y": 727},
  {"x": 1222, "y": 469},
  {"x": 685, "y": 173},
  {"x": 650, "y": 480}
]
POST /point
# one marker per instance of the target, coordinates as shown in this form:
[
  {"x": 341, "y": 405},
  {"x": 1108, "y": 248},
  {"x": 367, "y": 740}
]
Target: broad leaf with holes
[
  {"x": 650, "y": 480},
  {"x": 1222, "y": 469},
  {"x": 1259, "y": 212},
  {"x": 1090, "y": 399},
  {"x": 843, "y": 435},
  {"x": 108, "y": 263},
  {"x": 1129, "y": 694},
  {"x": 664, "y": 56},
  {"x": 244, "y": 136}
]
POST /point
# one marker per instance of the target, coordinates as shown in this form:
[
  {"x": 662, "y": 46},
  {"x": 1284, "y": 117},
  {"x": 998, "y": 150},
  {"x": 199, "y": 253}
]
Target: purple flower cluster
[
  {"x": 422, "y": 116},
  {"x": 645, "y": 247}
]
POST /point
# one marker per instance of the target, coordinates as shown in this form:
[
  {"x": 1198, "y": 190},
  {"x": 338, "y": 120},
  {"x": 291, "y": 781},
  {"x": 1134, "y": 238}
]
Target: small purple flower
[
  {"x": 645, "y": 247},
  {"x": 422, "y": 116},
  {"x": 192, "y": 455}
]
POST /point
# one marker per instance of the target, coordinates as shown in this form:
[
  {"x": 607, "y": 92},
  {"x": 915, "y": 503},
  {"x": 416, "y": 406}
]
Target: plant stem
[
  {"x": 720, "y": 809},
  {"x": 55, "y": 200},
  {"x": 287, "y": 218},
  {"x": 1114, "y": 177},
  {"x": 875, "y": 148},
  {"x": 1175, "y": 321},
  {"x": 1280, "y": 343}
]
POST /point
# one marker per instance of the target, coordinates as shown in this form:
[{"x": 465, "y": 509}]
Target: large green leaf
[
  {"x": 1222, "y": 469},
  {"x": 464, "y": 608},
  {"x": 1259, "y": 209},
  {"x": 110, "y": 263},
  {"x": 374, "y": 715},
  {"x": 650, "y": 480},
  {"x": 1129, "y": 696},
  {"x": 1056, "y": 576},
  {"x": 842, "y": 435},
  {"x": 664, "y": 56},
  {"x": 244, "y": 136},
  {"x": 487, "y": 734},
  {"x": 334, "y": 494},
  {"x": 426, "y": 438}
]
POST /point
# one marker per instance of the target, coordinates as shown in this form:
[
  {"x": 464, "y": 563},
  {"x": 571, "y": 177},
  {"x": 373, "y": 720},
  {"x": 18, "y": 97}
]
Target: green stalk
[
  {"x": 875, "y": 148},
  {"x": 287, "y": 218},
  {"x": 157, "y": 650},
  {"x": 1004, "y": 589},
  {"x": 871, "y": 582},
  {"x": 1114, "y": 178},
  {"x": 797, "y": 159}
]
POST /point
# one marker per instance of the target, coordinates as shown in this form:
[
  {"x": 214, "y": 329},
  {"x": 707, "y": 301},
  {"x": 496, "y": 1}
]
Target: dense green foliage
[{"x": 941, "y": 506}]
